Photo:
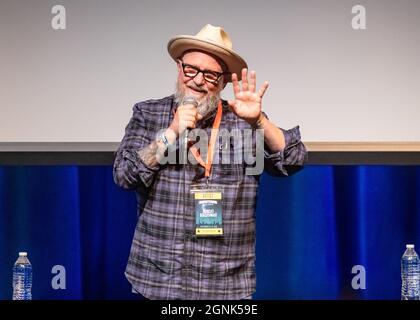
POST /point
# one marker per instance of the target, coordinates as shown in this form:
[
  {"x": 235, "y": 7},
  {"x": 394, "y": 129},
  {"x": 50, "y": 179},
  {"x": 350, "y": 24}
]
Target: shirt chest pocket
[
  {"x": 228, "y": 163},
  {"x": 227, "y": 173}
]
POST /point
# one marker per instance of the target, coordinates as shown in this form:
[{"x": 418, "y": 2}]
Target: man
[{"x": 195, "y": 237}]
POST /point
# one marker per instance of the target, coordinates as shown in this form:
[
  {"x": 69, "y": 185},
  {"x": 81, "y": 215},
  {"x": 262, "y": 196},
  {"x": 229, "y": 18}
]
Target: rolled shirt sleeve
[
  {"x": 288, "y": 160},
  {"x": 129, "y": 170}
]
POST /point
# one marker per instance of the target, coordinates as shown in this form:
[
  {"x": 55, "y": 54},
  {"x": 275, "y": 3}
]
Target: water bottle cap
[
  {"x": 23, "y": 254},
  {"x": 410, "y": 246}
]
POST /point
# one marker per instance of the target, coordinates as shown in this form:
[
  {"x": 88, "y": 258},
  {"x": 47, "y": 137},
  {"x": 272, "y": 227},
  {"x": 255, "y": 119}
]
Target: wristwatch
[{"x": 162, "y": 137}]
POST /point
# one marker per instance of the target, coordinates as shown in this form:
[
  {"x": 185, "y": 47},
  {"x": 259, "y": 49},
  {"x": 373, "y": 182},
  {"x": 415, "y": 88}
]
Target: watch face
[{"x": 162, "y": 138}]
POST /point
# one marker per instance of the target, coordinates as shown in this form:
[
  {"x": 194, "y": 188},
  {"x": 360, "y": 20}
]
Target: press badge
[{"x": 208, "y": 212}]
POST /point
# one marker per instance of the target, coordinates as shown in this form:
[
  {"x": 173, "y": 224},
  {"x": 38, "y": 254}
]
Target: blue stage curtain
[{"x": 312, "y": 229}]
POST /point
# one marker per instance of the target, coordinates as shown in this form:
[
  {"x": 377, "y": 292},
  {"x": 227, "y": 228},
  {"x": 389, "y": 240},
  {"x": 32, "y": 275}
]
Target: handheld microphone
[{"x": 192, "y": 101}]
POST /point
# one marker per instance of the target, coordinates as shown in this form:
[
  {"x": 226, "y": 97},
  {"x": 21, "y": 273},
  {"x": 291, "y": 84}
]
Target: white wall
[{"x": 338, "y": 84}]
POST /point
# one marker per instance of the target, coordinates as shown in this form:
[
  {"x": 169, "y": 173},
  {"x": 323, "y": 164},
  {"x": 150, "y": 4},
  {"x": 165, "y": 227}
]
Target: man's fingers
[
  {"x": 188, "y": 107},
  {"x": 235, "y": 84},
  {"x": 189, "y": 117},
  {"x": 244, "y": 79},
  {"x": 189, "y": 112},
  {"x": 190, "y": 124},
  {"x": 263, "y": 89},
  {"x": 252, "y": 81}
]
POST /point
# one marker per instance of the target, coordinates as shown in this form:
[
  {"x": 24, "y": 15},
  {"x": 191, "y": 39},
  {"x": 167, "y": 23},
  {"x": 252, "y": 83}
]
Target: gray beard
[{"x": 205, "y": 107}]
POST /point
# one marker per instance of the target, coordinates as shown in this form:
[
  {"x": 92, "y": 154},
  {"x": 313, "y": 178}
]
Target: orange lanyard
[{"x": 214, "y": 132}]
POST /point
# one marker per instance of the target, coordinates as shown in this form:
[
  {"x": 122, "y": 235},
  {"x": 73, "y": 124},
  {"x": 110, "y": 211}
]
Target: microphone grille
[{"x": 190, "y": 100}]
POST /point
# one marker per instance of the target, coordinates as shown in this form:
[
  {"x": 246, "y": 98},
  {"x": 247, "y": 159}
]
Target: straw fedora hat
[{"x": 210, "y": 39}]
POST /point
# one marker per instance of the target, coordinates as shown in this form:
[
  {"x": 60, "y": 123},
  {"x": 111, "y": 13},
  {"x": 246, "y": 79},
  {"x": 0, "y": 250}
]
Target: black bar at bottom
[{"x": 107, "y": 158}]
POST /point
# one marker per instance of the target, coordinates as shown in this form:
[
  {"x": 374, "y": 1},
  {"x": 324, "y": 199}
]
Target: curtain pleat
[{"x": 313, "y": 228}]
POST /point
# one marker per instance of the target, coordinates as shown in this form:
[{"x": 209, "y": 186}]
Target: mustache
[
  {"x": 206, "y": 104},
  {"x": 197, "y": 88}
]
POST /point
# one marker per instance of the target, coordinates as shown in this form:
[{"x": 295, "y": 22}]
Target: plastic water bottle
[
  {"x": 410, "y": 274},
  {"x": 22, "y": 278}
]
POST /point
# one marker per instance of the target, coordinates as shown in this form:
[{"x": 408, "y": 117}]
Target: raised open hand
[{"x": 247, "y": 102}]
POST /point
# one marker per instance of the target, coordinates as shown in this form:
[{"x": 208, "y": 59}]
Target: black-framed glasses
[{"x": 191, "y": 71}]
